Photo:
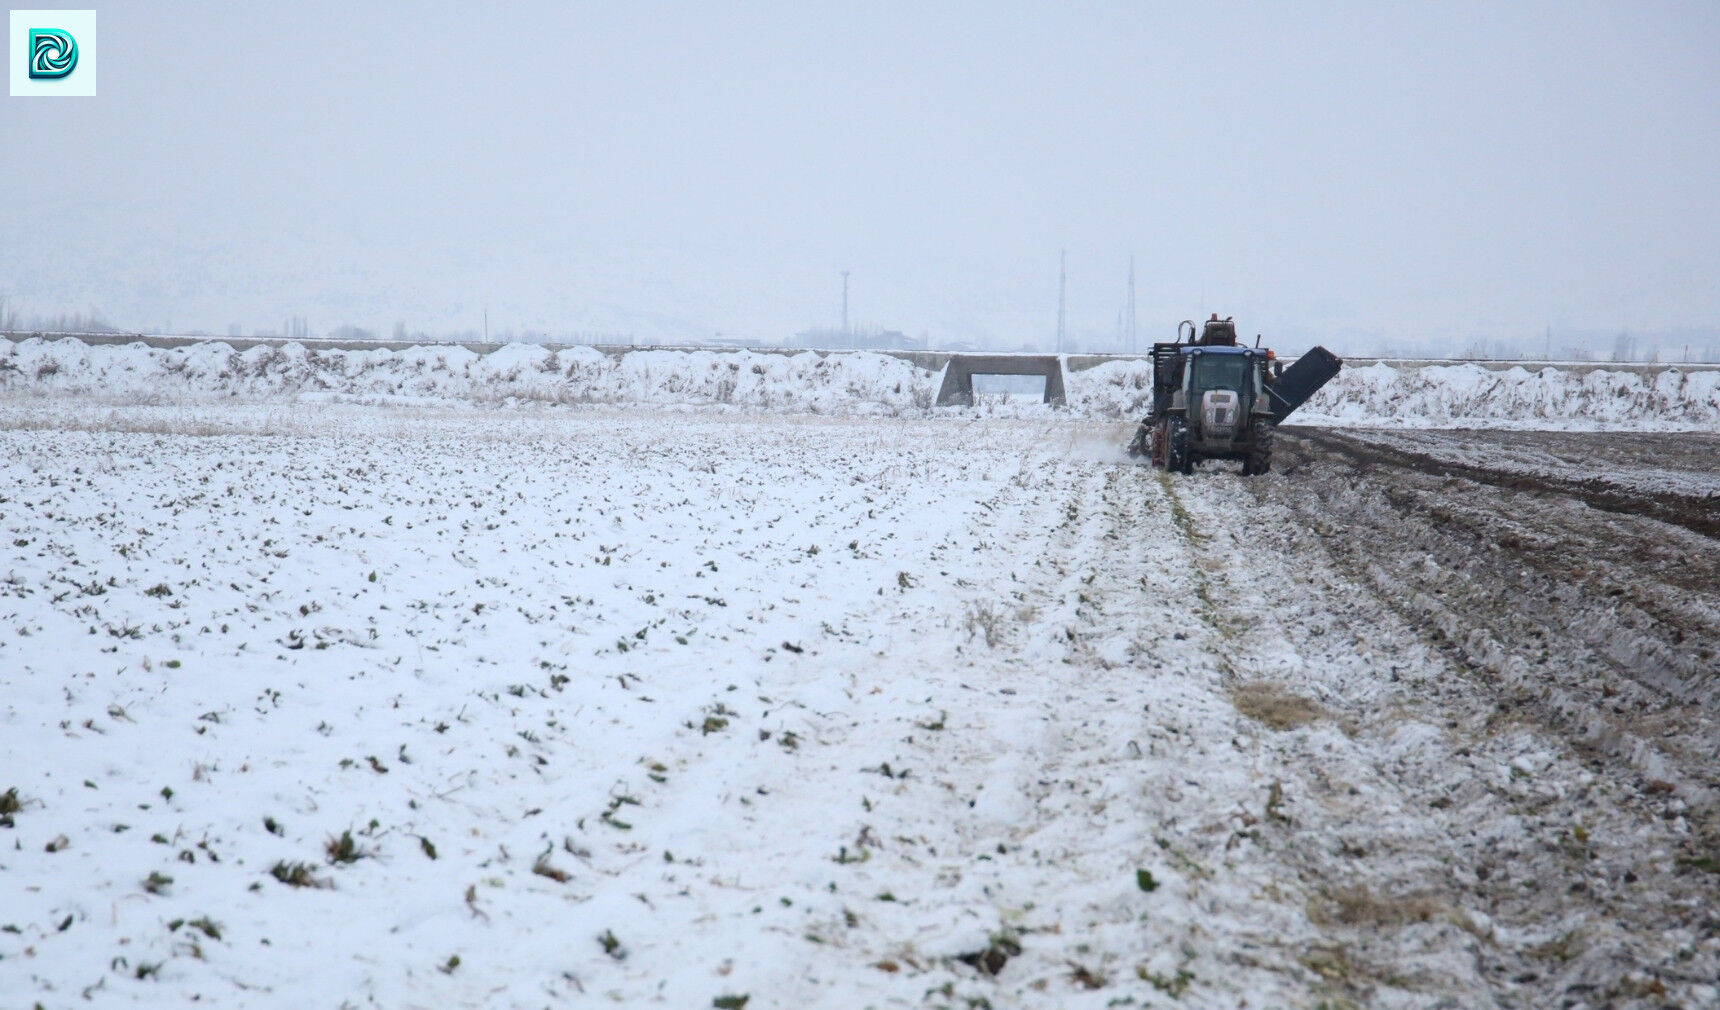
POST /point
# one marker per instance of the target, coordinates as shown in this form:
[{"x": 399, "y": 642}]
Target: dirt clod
[{"x": 1275, "y": 705}]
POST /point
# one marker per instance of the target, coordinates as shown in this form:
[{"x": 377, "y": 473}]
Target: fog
[{"x": 1432, "y": 177}]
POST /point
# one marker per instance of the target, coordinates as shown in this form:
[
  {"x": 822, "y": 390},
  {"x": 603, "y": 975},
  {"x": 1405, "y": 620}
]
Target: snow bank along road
[
  {"x": 1416, "y": 394},
  {"x": 540, "y": 708}
]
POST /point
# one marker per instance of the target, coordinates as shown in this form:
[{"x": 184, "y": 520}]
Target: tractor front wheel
[{"x": 1259, "y": 458}]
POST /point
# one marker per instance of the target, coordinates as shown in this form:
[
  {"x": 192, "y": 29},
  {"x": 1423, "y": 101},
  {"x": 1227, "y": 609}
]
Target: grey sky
[{"x": 1429, "y": 171}]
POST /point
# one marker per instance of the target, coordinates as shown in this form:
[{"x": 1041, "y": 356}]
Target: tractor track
[
  {"x": 1587, "y": 636},
  {"x": 1617, "y": 606},
  {"x": 1698, "y": 512},
  {"x": 1602, "y": 626}
]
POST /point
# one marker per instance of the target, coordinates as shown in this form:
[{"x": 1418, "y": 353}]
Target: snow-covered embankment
[{"x": 844, "y": 382}]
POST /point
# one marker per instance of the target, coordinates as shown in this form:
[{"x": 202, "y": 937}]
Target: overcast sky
[{"x": 1328, "y": 170}]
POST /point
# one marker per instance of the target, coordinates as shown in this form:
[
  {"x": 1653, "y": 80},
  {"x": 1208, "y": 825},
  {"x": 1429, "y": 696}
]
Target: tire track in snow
[
  {"x": 1348, "y": 837},
  {"x": 1096, "y": 745},
  {"x": 1447, "y": 850}
]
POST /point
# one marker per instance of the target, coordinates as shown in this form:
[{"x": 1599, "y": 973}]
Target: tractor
[{"x": 1215, "y": 399}]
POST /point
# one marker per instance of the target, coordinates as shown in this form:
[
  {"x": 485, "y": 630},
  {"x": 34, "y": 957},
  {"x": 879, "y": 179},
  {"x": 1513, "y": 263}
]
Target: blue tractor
[{"x": 1215, "y": 399}]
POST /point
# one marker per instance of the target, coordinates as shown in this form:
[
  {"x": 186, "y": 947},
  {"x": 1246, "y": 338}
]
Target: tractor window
[{"x": 1221, "y": 371}]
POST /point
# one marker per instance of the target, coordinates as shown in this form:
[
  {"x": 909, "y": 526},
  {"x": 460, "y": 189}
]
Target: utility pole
[
  {"x": 1131, "y": 303},
  {"x": 845, "y": 303},
  {"x": 1062, "y": 288}
]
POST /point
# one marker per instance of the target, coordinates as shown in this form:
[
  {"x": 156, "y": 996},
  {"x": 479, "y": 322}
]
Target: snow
[
  {"x": 806, "y": 382},
  {"x": 657, "y": 679},
  {"x": 1469, "y": 395},
  {"x": 793, "y": 703},
  {"x": 846, "y": 383}
]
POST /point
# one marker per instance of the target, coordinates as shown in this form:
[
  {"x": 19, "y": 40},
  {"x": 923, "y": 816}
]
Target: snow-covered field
[
  {"x": 845, "y": 383},
  {"x": 340, "y": 705}
]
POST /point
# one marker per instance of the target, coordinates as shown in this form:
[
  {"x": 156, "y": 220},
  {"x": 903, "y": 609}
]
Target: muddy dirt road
[{"x": 1572, "y": 584}]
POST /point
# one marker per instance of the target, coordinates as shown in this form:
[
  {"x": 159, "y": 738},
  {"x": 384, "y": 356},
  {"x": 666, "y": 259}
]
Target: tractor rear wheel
[
  {"x": 1177, "y": 457},
  {"x": 1259, "y": 458}
]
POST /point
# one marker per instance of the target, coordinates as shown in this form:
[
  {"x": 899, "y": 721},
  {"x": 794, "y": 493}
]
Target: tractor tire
[
  {"x": 1138, "y": 445},
  {"x": 1259, "y": 458},
  {"x": 1177, "y": 456}
]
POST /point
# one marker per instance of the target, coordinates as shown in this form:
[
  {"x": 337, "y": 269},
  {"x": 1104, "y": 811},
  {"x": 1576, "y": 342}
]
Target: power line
[
  {"x": 1131, "y": 330},
  {"x": 1062, "y": 286}
]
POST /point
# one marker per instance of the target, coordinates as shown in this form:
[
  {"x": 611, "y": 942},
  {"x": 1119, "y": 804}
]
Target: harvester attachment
[{"x": 1302, "y": 380}]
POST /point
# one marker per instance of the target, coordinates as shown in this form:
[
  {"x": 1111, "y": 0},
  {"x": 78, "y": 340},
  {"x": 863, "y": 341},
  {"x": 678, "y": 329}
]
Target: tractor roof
[{"x": 1220, "y": 349}]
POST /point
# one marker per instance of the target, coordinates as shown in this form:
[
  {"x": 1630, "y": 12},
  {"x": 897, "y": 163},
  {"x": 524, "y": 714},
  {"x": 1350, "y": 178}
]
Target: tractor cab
[
  {"x": 1188, "y": 377},
  {"x": 1222, "y": 388}
]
